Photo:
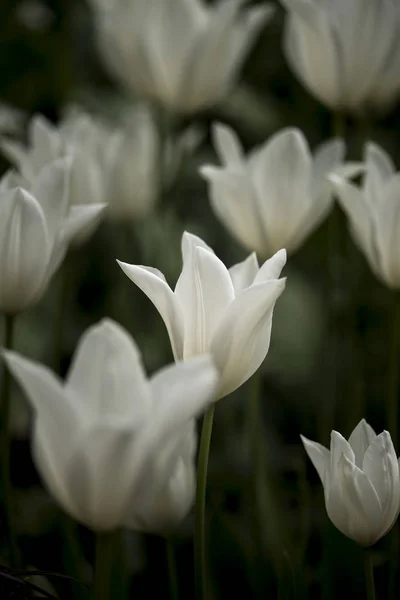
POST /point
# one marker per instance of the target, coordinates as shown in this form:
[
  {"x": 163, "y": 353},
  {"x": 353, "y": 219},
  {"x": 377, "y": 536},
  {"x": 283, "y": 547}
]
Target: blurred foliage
[{"x": 48, "y": 58}]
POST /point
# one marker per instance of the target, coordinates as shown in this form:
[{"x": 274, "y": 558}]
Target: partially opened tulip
[
  {"x": 373, "y": 213},
  {"x": 277, "y": 195},
  {"x": 79, "y": 139},
  {"x": 361, "y": 482},
  {"x": 113, "y": 447},
  {"x": 227, "y": 313},
  {"x": 347, "y": 54},
  {"x": 36, "y": 228},
  {"x": 182, "y": 54}
]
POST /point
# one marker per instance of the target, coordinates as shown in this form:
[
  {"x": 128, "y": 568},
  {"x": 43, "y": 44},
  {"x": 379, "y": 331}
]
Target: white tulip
[
  {"x": 277, "y": 195},
  {"x": 227, "y": 313},
  {"x": 347, "y": 54},
  {"x": 113, "y": 447},
  {"x": 182, "y": 54},
  {"x": 373, "y": 213},
  {"x": 78, "y": 138},
  {"x": 361, "y": 482},
  {"x": 36, "y": 228}
]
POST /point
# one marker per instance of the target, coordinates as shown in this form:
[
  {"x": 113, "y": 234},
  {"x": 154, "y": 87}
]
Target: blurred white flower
[
  {"x": 277, "y": 195},
  {"x": 182, "y": 54},
  {"x": 36, "y": 227},
  {"x": 373, "y": 213},
  {"x": 361, "y": 482},
  {"x": 76, "y": 140},
  {"x": 347, "y": 54},
  {"x": 112, "y": 447},
  {"x": 212, "y": 310}
]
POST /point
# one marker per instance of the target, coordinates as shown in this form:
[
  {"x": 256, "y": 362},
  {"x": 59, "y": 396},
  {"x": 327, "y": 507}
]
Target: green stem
[
  {"x": 200, "y": 535},
  {"x": 369, "y": 575},
  {"x": 394, "y": 373},
  {"x": 61, "y": 308},
  {"x": 172, "y": 571},
  {"x": 102, "y": 585},
  {"x": 6, "y": 442}
]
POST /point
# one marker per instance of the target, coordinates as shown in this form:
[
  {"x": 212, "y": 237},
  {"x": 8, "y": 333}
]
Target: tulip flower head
[
  {"x": 36, "y": 228},
  {"x": 113, "y": 447},
  {"x": 182, "y": 54},
  {"x": 361, "y": 482},
  {"x": 227, "y": 313},
  {"x": 373, "y": 213},
  {"x": 277, "y": 195},
  {"x": 347, "y": 54}
]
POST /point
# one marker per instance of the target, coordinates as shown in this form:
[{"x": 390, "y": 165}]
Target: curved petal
[
  {"x": 339, "y": 445},
  {"x": 364, "y": 508},
  {"x": 227, "y": 146},
  {"x": 204, "y": 290},
  {"x": 82, "y": 221},
  {"x": 107, "y": 375},
  {"x": 153, "y": 284},
  {"x": 360, "y": 438},
  {"x": 327, "y": 157},
  {"x": 319, "y": 456},
  {"x": 241, "y": 340},
  {"x": 381, "y": 467},
  {"x": 243, "y": 273},
  {"x": 387, "y": 232},
  {"x": 272, "y": 267},
  {"x": 24, "y": 251}
]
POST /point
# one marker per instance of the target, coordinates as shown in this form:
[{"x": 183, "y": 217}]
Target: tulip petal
[
  {"x": 272, "y": 267},
  {"x": 227, "y": 146},
  {"x": 339, "y": 446},
  {"x": 243, "y": 273},
  {"x": 319, "y": 456},
  {"x": 360, "y": 438},
  {"x": 381, "y": 467},
  {"x": 81, "y": 222},
  {"x": 241, "y": 340},
  {"x": 364, "y": 508},
  {"x": 327, "y": 157},
  {"x": 387, "y": 232},
  {"x": 153, "y": 284},
  {"x": 204, "y": 290},
  {"x": 24, "y": 251},
  {"x": 52, "y": 189},
  {"x": 234, "y": 202},
  {"x": 107, "y": 375}
]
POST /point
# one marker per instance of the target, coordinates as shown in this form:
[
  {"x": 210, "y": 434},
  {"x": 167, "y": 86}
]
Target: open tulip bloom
[
  {"x": 361, "y": 482},
  {"x": 277, "y": 195},
  {"x": 227, "y": 313},
  {"x": 347, "y": 54},
  {"x": 113, "y": 447},
  {"x": 373, "y": 213},
  {"x": 36, "y": 228},
  {"x": 182, "y": 54}
]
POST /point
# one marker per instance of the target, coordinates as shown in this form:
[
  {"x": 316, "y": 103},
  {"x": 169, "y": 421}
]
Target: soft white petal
[
  {"x": 243, "y": 273},
  {"x": 387, "y": 233},
  {"x": 204, "y": 290},
  {"x": 360, "y": 438},
  {"x": 319, "y": 456},
  {"x": 24, "y": 251},
  {"x": 153, "y": 284},
  {"x": 228, "y": 146},
  {"x": 81, "y": 222},
  {"x": 339, "y": 445},
  {"x": 241, "y": 340},
  {"x": 381, "y": 467},
  {"x": 107, "y": 374},
  {"x": 272, "y": 267},
  {"x": 327, "y": 157}
]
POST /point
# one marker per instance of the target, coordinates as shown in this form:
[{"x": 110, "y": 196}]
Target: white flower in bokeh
[
  {"x": 373, "y": 211},
  {"x": 36, "y": 228},
  {"x": 113, "y": 447},
  {"x": 347, "y": 54},
  {"x": 227, "y": 313},
  {"x": 277, "y": 195},
  {"x": 361, "y": 482},
  {"x": 182, "y": 54}
]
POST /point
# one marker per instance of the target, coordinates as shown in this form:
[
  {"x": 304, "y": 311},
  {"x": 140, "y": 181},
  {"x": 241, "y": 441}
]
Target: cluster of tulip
[{"x": 114, "y": 448}]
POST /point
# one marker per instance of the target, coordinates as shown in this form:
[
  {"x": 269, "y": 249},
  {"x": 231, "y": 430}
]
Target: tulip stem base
[
  {"x": 102, "y": 584},
  {"x": 9, "y": 326},
  {"x": 172, "y": 572},
  {"x": 369, "y": 575},
  {"x": 200, "y": 535}
]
